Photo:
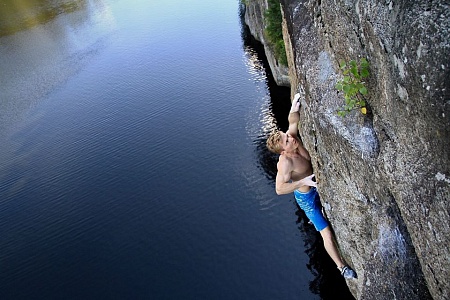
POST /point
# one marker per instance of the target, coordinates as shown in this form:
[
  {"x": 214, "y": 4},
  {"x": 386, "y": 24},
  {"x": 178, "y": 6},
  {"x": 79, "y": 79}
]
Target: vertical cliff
[
  {"x": 254, "y": 18},
  {"x": 384, "y": 177}
]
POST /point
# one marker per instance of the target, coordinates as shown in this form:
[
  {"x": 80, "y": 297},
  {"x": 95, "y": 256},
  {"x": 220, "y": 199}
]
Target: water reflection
[
  {"x": 17, "y": 15},
  {"x": 328, "y": 283},
  {"x": 40, "y": 58},
  {"x": 273, "y": 112}
]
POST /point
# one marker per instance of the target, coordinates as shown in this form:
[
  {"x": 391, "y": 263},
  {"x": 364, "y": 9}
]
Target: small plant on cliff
[
  {"x": 353, "y": 85},
  {"x": 274, "y": 30}
]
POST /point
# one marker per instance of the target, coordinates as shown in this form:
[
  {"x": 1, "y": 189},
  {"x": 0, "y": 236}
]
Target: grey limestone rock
[{"x": 385, "y": 176}]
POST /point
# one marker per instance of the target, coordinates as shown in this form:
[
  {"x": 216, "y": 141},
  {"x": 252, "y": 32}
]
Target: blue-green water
[{"x": 132, "y": 158}]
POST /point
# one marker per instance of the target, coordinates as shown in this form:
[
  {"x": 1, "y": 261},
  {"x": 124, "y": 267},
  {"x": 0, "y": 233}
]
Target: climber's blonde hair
[{"x": 274, "y": 142}]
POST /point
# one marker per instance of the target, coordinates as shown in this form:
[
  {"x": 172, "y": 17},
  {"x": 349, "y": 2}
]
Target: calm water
[{"x": 132, "y": 158}]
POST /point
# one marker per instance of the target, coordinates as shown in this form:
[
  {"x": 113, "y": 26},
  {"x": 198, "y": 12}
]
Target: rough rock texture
[
  {"x": 384, "y": 178},
  {"x": 254, "y": 18}
]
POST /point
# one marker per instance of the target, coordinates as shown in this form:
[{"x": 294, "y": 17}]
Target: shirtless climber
[{"x": 295, "y": 175}]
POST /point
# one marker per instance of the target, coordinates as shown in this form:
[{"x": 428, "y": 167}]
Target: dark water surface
[{"x": 132, "y": 158}]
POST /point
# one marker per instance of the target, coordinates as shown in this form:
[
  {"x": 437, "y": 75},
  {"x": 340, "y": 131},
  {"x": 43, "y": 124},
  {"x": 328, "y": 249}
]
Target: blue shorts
[{"x": 310, "y": 203}]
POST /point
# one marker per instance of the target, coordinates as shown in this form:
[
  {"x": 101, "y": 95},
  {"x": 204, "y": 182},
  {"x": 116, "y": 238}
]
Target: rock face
[
  {"x": 384, "y": 178},
  {"x": 254, "y": 18}
]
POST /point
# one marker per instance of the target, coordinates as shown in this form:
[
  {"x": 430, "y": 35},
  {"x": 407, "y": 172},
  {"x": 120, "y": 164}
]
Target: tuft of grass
[{"x": 274, "y": 30}]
